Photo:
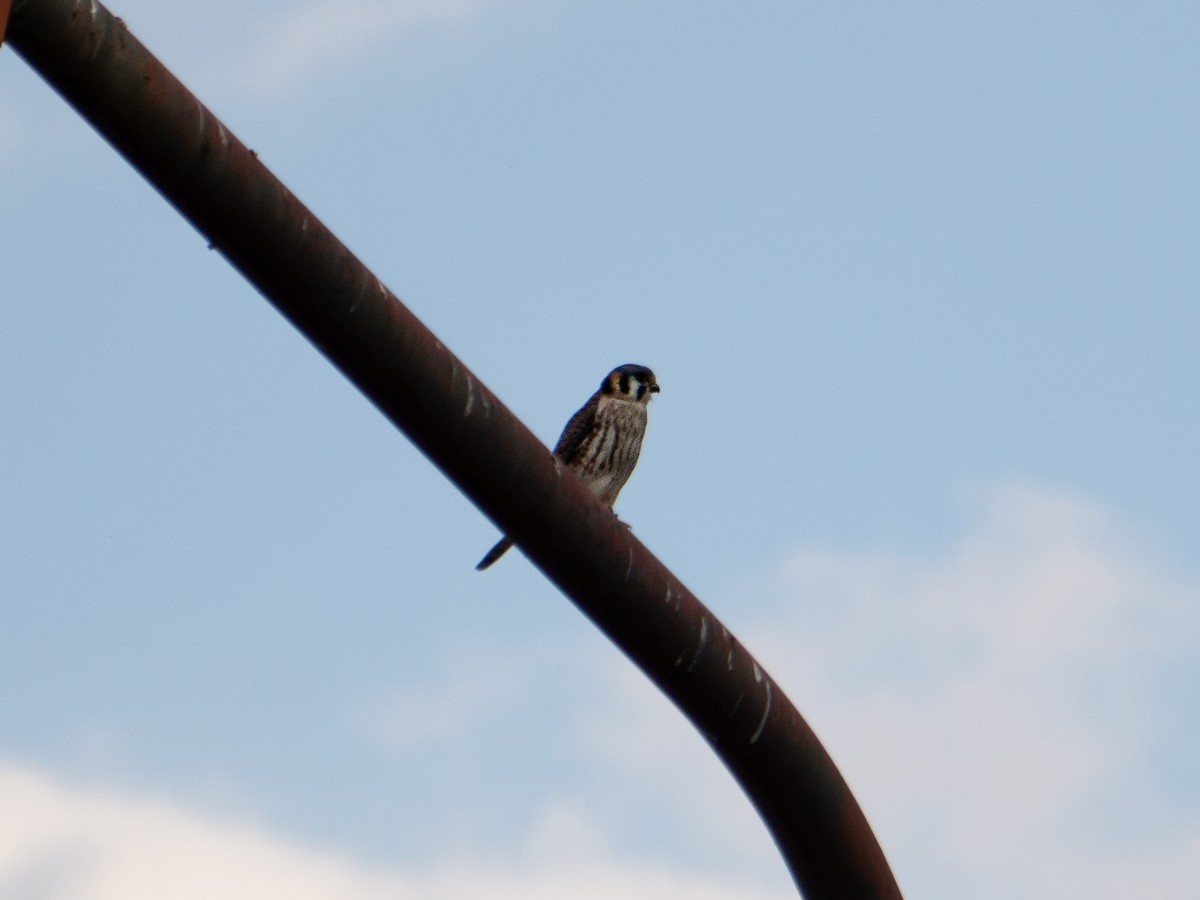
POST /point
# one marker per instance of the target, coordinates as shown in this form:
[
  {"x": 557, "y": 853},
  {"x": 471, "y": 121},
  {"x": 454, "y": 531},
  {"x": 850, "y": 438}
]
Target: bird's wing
[{"x": 577, "y": 429}]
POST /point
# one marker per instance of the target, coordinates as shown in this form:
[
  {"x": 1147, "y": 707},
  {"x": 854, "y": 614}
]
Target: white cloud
[
  {"x": 62, "y": 842},
  {"x": 327, "y": 32},
  {"x": 998, "y": 710},
  {"x": 1001, "y": 709},
  {"x": 453, "y": 703},
  {"x": 667, "y": 773},
  {"x": 59, "y": 843}
]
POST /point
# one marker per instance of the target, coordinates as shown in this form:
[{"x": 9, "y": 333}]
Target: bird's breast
[{"x": 611, "y": 449}]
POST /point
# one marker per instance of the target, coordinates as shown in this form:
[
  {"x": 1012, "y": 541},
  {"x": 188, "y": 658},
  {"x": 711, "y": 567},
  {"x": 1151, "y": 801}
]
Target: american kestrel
[{"x": 602, "y": 441}]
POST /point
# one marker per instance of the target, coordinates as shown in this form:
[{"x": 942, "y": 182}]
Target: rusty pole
[{"x": 214, "y": 181}]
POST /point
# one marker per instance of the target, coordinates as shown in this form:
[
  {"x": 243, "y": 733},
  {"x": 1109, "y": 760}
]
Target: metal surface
[{"x": 220, "y": 186}]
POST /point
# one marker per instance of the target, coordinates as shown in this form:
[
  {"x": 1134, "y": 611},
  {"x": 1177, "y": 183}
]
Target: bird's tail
[{"x": 494, "y": 554}]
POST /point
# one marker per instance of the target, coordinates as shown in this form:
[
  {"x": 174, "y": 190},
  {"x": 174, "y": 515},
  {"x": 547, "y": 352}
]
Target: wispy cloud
[
  {"x": 325, "y": 33},
  {"x": 1013, "y": 713},
  {"x": 451, "y": 703},
  {"x": 995, "y": 704},
  {"x": 999, "y": 709},
  {"x": 61, "y": 842}
]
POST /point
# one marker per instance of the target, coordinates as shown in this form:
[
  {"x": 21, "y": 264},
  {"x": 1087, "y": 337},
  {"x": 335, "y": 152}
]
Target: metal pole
[{"x": 219, "y": 185}]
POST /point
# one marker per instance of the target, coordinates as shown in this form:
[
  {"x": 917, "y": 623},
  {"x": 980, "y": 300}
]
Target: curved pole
[{"x": 219, "y": 185}]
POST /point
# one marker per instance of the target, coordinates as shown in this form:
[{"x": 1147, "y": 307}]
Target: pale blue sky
[{"x": 920, "y": 286}]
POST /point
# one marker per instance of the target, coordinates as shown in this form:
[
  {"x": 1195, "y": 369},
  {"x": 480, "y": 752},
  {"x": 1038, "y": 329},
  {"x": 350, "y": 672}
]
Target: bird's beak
[{"x": 654, "y": 388}]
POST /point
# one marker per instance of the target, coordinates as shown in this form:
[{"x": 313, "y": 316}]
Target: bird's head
[{"x": 630, "y": 382}]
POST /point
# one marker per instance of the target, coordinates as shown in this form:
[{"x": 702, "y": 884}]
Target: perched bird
[{"x": 602, "y": 441}]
